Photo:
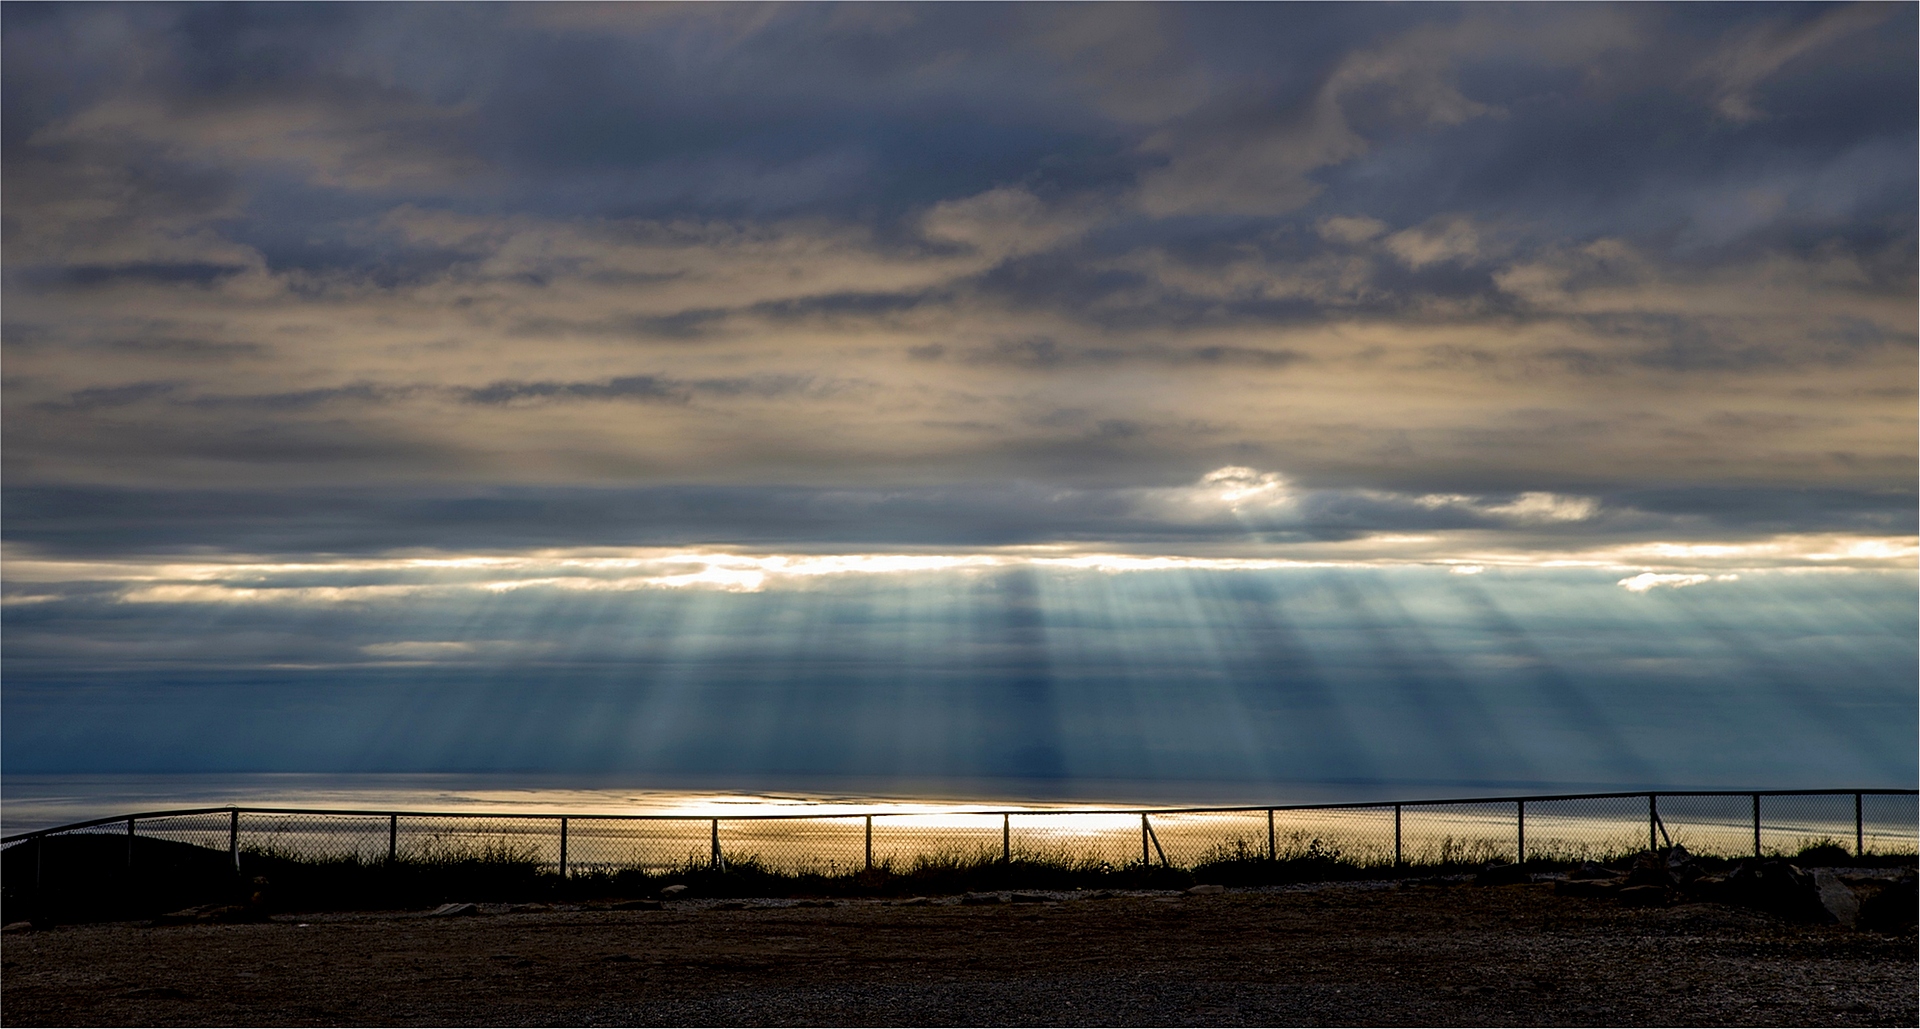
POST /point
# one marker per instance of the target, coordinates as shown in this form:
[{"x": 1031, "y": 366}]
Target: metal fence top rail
[{"x": 1003, "y": 812}]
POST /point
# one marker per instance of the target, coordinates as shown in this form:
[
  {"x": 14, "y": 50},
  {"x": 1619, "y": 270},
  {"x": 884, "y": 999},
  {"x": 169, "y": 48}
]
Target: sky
[{"x": 1240, "y": 394}]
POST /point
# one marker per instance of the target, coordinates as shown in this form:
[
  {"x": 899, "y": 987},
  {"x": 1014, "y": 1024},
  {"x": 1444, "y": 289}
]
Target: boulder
[
  {"x": 1776, "y": 887},
  {"x": 454, "y": 910},
  {"x": 1890, "y": 906},
  {"x": 1207, "y": 888},
  {"x": 912, "y": 902},
  {"x": 1682, "y": 866},
  {"x": 1836, "y": 897},
  {"x": 983, "y": 898},
  {"x": 1589, "y": 870},
  {"x": 16, "y": 927},
  {"x": 673, "y": 891},
  {"x": 1650, "y": 869}
]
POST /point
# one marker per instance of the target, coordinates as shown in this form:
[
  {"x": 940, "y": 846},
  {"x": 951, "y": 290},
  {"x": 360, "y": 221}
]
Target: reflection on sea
[
  {"x": 29, "y": 802},
  {"x": 837, "y": 834}
]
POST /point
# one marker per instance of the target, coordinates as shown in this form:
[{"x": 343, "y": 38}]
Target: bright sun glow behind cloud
[{"x": 374, "y": 579}]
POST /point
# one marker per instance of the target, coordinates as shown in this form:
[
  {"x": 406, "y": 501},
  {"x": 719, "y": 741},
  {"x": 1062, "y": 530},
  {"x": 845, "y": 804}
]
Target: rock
[
  {"x": 1682, "y": 866},
  {"x": 1776, "y": 887},
  {"x": 1891, "y": 907},
  {"x": 813, "y": 903},
  {"x": 673, "y": 891},
  {"x": 1036, "y": 898},
  {"x": 454, "y": 910},
  {"x": 1710, "y": 888},
  {"x": 1597, "y": 888},
  {"x": 636, "y": 905},
  {"x": 16, "y": 927},
  {"x": 912, "y": 902},
  {"x": 1589, "y": 870},
  {"x": 1499, "y": 874},
  {"x": 1836, "y": 897},
  {"x": 983, "y": 898},
  {"x": 1650, "y": 869},
  {"x": 1643, "y": 896},
  {"x": 1205, "y": 889}
]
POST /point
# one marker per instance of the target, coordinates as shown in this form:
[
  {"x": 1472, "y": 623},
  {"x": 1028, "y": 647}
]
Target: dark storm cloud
[{"x": 1596, "y": 250}]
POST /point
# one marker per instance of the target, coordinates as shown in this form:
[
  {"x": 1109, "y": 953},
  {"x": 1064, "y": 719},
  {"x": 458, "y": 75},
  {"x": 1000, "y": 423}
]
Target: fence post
[
  {"x": 1396, "y": 836},
  {"x": 869, "y": 843},
  {"x": 716, "y": 845},
  {"x": 1859, "y": 830},
  {"x": 1756, "y": 826},
  {"x": 1271, "y": 854},
  {"x": 563, "y": 846},
  {"x": 1520, "y": 832},
  {"x": 393, "y": 838},
  {"x": 1155, "y": 837},
  {"x": 129, "y": 844},
  {"x": 1653, "y": 819},
  {"x": 1006, "y": 839},
  {"x": 1145, "y": 859},
  {"x": 233, "y": 839}
]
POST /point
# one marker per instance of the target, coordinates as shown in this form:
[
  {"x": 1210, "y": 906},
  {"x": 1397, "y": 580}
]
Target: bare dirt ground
[{"x": 1337, "y": 955}]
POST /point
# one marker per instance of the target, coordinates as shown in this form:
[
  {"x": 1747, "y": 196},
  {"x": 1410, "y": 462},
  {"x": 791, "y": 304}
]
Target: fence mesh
[
  {"x": 358, "y": 838},
  {"x": 647, "y": 845},
  {"x": 1449, "y": 834},
  {"x": 1890, "y": 823},
  {"x": 1585, "y": 828},
  {"x": 1560, "y": 829},
  {"x": 904, "y": 842},
  {"x": 209, "y": 830}
]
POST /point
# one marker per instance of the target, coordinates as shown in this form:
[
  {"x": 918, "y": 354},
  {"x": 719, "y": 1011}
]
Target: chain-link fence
[{"x": 1382, "y": 836}]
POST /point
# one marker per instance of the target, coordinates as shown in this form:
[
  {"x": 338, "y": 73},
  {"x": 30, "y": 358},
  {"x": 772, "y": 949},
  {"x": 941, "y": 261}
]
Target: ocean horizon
[{"x": 31, "y": 802}]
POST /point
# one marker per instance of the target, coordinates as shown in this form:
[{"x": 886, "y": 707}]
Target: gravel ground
[{"x": 1355, "y": 954}]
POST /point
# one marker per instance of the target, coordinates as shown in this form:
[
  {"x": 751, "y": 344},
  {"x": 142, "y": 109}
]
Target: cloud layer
[
  {"x": 556, "y": 310},
  {"x": 1434, "y": 250}
]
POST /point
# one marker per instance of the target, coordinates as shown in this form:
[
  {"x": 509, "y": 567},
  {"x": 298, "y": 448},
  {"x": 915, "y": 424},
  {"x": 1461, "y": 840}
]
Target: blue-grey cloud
[{"x": 1627, "y": 288}]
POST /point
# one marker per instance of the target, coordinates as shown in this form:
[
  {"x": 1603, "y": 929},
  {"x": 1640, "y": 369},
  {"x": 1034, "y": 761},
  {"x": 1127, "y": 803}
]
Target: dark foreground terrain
[{"x": 1353, "y": 954}]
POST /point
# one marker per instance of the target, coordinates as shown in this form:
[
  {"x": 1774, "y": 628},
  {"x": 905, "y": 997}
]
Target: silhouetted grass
[{"x": 87, "y": 878}]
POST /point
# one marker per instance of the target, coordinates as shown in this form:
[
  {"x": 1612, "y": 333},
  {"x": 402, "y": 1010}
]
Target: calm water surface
[{"x": 29, "y": 802}]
